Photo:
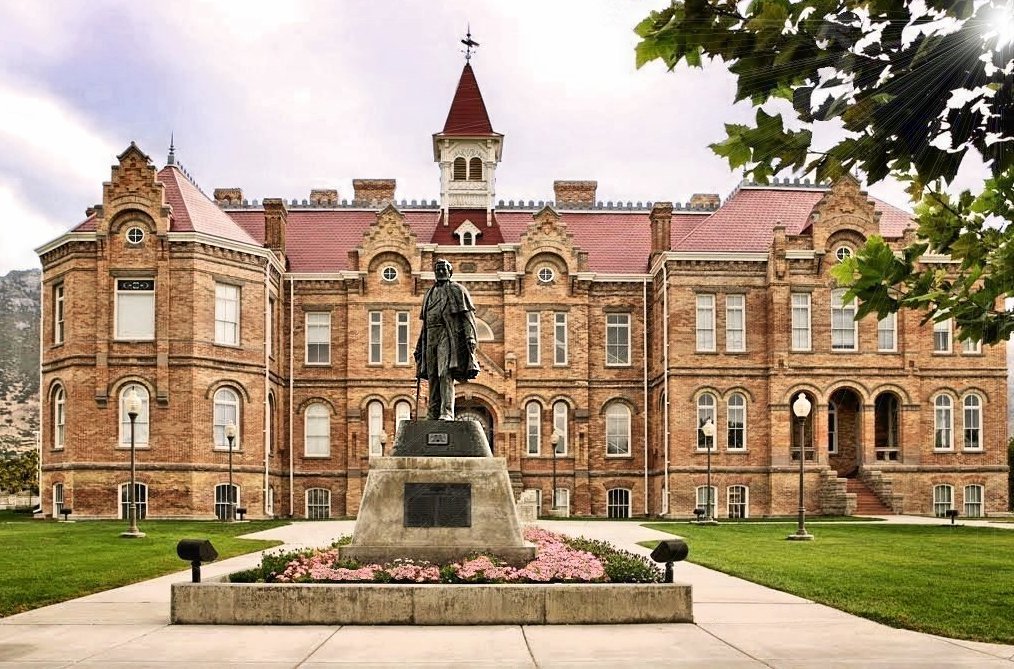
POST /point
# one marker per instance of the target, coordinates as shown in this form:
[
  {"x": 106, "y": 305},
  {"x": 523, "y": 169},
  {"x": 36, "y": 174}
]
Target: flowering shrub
[{"x": 558, "y": 559}]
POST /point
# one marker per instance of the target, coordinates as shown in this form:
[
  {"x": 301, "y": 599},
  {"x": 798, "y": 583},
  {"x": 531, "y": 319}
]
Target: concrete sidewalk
[{"x": 738, "y": 624}]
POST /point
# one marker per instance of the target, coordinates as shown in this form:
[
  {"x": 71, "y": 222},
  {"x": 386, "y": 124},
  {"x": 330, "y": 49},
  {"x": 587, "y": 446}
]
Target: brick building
[{"x": 615, "y": 329}]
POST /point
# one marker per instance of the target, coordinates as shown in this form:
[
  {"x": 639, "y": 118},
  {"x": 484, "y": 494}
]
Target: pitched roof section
[
  {"x": 467, "y": 116},
  {"x": 194, "y": 212},
  {"x": 489, "y": 235}
]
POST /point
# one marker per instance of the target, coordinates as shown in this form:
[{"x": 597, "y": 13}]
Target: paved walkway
[{"x": 738, "y": 624}]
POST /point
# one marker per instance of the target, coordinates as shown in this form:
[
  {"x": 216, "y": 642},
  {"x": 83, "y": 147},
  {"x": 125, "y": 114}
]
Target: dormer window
[
  {"x": 467, "y": 234},
  {"x": 460, "y": 168},
  {"x": 467, "y": 239},
  {"x": 475, "y": 169}
]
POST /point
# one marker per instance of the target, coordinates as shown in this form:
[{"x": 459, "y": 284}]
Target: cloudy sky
[{"x": 282, "y": 97}]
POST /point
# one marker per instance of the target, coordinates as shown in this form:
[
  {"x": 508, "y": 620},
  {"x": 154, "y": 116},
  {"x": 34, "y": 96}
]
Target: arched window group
[
  {"x": 735, "y": 421},
  {"x": 470, "y": 170},
  {"x": 971, "y": 422},
  {"x": 737, "y": 501}
]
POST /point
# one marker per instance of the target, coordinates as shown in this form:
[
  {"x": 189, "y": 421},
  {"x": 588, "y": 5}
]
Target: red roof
[
  {"x": 444, "y": 234},
  {"x": 467, "y": 116},
  {"x": 90, "y": 224},
  {"x": 193, "y": 211}
]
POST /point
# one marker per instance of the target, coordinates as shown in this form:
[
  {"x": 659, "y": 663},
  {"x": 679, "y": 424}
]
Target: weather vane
[{"x": 469, "y": 43}]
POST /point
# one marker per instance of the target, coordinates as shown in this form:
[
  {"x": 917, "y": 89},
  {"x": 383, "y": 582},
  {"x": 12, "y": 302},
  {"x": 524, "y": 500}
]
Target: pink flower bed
[{"x": 554, "y": 562}]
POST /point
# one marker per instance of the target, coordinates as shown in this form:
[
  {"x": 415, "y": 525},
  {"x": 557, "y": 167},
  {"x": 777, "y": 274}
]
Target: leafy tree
[
  {"x": 19, "y": 471},
  {"x": 917, "y": 87}
]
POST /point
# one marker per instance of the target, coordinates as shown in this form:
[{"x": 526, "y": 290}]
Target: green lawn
[
  {"x": 43, "y": 562},
  {"x": 952, "y": 581}
]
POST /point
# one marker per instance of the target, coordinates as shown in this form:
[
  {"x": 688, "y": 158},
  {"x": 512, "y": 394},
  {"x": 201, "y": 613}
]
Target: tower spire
[
  {"x": 171, "y": 160},
  {"x": 470, "y": 44}
]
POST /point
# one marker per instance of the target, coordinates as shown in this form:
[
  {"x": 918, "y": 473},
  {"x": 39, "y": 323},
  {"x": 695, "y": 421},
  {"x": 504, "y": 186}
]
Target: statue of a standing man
[{"x": 445, "y": 352}]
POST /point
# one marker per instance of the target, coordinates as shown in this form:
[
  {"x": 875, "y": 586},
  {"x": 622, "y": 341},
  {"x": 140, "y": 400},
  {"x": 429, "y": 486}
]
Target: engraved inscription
[
  {"x": 437, "y": 439},
  {"x": 438, "y": 505}
]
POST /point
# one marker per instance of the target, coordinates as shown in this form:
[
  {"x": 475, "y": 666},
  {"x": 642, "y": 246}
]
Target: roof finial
[
  {"x": 469, "y": 43},
  {"x": 171, "y": 160}
]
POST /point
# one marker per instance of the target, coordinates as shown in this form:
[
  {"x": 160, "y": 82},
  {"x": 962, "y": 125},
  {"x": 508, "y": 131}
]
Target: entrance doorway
[
  {"x": 844, "y": 431},
  {"x": 465, "y": 410}
]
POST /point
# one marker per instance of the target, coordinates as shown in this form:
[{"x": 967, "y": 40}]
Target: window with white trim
[
  {"x": 705, "y": 322},
  {"x": 701, "y": 497},
  {"x": 560, "y": 338},
  {"x": 226, "y": 411},
  {"x": 736, "y": 422},
  {"x": 269, "y": 329},
  {"x": 59, "y": 417},
  {"x": 943, "y": 499},
  {"x": 226, "y": 314},
  {"x": 225, "y": 495},
  {"x": 562, "y": 498},
  {"x": 972, "y": 415},
  {"x": 140, "y": 501},
  {"x": 942, "y": 336},
  {"x": 375, "y": 424},
  {"x": 801, "y": 322},
  {"x": 533, "y": 427},
  {"x": 617, "y": 339},
  {"x": 140, "y": 422},
  {"x": 943, "y": 420},
  {"x": 460, "y": 169},
  {"x": 317, "y": 430},
  {"x": 402, "y": 334},
  {"x": 844, "y": 328},
  {"x": 402, "y": 413},
  {"x": 376, "y": 337},
  {"x": 618, "y": 430},
  {"x": 738, "y": 501},
  {"x": 971, "y": 346},
  {"x": 533, "y": 337},
  {"x": 318, "y": 504},
  {"x": 887, "y": 333},
  {"x": 832, "y": 427},
  {"x": 561, "y": 410},
  {"x": 706, "y": 404},
  {"x": 973, "y": 501},
  {"x": 467, "y": 238},
  {"x": 58, "y": 313},
  {"x": 475, "y": 169},
  {"x": 269, "y": 418},
  {"x": 735, "y": 323},
  {"x": 483, "y": 332},
  {"x": 318, "y": 338},
  {"x": 135, "y": 309},
  {"x": 57, "y": 498},
  {"x": 618, "y": 503},
  {"x": 269, "y": 503}
]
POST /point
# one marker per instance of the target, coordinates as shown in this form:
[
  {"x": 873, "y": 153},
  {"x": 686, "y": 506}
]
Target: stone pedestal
[{"x": 441, "y": 507}]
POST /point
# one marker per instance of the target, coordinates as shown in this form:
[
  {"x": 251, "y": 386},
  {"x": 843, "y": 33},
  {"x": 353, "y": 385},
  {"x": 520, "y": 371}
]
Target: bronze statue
[{"x": 445, "y": 352}]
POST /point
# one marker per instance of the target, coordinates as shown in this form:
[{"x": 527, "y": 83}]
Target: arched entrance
[
  {"x": 472, "y": 410},
  {"x": 844, "y": 431}
]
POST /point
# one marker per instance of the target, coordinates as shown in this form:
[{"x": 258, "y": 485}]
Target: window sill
[
  {"x": 705, "y": 451},
  {"x": 224, "y": 344},
  {"x": 943, "y": 353},
  {"x": 618, "y": 364},
  {"x": 887, "y": 350},
  {"x": 709, "y": 351},
  {"x": 624, "y": 456},
  {"x": 316, "y": 457},
  {"x": 137, "y": 447},
  {"x": 800, "y": 350},
  {"x": 216, "y": 449},
  {"x": 736, "y": 451},
  {"x": 844, "y": 350},
  {"x": 943, "y": 450},
  {"x": 134, "y": 340},
  {"x": 738, "y": 352},
  {"x": 973, "y": 450},
  {"x": 317, "y": 364}
]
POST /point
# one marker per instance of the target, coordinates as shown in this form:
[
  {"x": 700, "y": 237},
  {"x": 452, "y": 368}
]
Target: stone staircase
[{"x": 867, "y": 503}]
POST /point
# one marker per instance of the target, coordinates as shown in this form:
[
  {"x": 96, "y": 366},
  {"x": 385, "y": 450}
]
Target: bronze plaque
[{"x": 438, "y": 505}]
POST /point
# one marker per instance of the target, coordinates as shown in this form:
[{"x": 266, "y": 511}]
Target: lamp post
[
  {"x": 801, "y": 409},
  {"x": 133, "y": 402},
  {"x": 555, "y": 439},
  {"x": 708, "y": 429},
  {"x": 230, "y": 435}
]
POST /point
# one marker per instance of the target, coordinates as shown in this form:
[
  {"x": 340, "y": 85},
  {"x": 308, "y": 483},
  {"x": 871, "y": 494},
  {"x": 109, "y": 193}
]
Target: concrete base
[
  {"x": 800, "y": 537},
  {"x": 220, "y": 603},
  {"x": 132, "y": 535}
]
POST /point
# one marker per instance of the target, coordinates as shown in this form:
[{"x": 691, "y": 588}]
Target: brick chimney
[
  {"x": 705, "y": 201},
  {"x": 275, "y": 220},
  {"x": 661, "y": 226},
  {"x": 373, "y": 191},
  {"x": 324, "y": 197},
  {"x": 571, "y": 193},
  {"x": 228, "y": 196}
]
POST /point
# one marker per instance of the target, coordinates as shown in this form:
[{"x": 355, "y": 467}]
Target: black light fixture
[
  {"x": 230, "y": 511},
  {"x": 669, "y": 551},
  {"x": 196, "y": 551}
]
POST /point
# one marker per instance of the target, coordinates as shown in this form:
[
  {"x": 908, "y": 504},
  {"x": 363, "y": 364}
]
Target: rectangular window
[
  {"x": 887, "y": 332},
  {"x": 738, "y": 501},
  {"x": 135, "y": 309},
  {"x": 943, "y": 498},
  {"x": 533, "y": 338},
  {"x": 562, "y": 498},
  {"x": 843, "y": 322},
  {"x": 800, "y": 321},
  {"x": 318, "y": 504},
  {"x": 973, "y": 501},
  {"x": 269, "y": 329},
  {"x": 706, "y": 503},
  {"x": 560, "y": 339},
  {"x": 402, "y": 334},
  {"x": 735, "y": 322},
  {"x": 318, "y": 338},
  {"x": 705, "y": 322},
  {"x": 58, "y": 314},
  {"x": 942, "y": 336},
  {"x": 617, "y": 339},
  {"x": 376, "y": 337},
  {"x": 971, "y": 346},
  {"x": 226, "y": 314}
]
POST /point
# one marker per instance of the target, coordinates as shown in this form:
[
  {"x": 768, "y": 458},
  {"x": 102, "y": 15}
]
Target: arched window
[
  {"x": 467, "y": 239},
  {"x": 973, "y": 423},
  {"x": 317, "y": 430},
  {"x": 942, "y": 422},
  {"x": 617, "y": 430},
  {"x": 801, "y": 440},
  {"x": 618, "y": 503},
  {"x": 475, "y": 169},
  {"x": 533, "y": 427},
  {"x": 739, "y": 501},
  {"x": 943, "y": 499},
  {"x": 140, "y": 499},
  {"x": 560, "y": 414},
  {"x": 736, "y": 422},
  {"x": 140, "y": 423},
  {"x": 375, "y": 418},
  {"x": 832, "y": 427},
  {"x": 460, "y": 168},
  {"x": 973, "y": 501},
  {"x": 223, "y": 499},
  {"x": 270, "y": 419},
  {"x": 402, "y": 413},
  {"x": 318, "y": 504},
  {"x": 482, "y": 330},
  {"x": 59, "y": 417},
  {"x": 705, "y": 412},
  {"x": 226, "y": 412},
  {"x": 705, "y": 502}
]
